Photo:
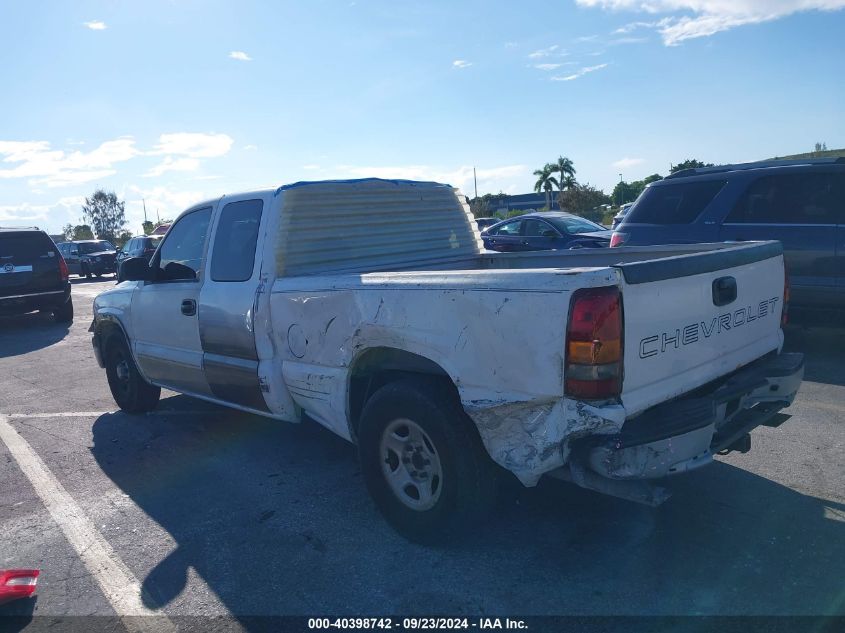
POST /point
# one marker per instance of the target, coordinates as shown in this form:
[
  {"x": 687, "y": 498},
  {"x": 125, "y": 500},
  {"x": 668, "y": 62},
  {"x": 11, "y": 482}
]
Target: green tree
[
  {"x": 486, "y": 205},
  {"x": 148, "y": 227},
  {"x": 639, "y": 185},
  {"x": 124, "y": 237},
  {"x": 624, "y": 192},
  {"x": 105, "y": 213},
  {"x": 584, "y": 200},
  {"x": 68, "y": 232},
  {"x": 689, "y": 163},
  {"x": 566, "y": 170},
  {"x": 546, "y": 182},
  {"x": 81, "y": 232}
]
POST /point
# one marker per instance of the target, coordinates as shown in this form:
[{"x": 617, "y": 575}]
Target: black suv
[
  {"x": 801, "y": 203},
  {"x": 89, "y": 257},
  {"x": 137, "y": 247},
  {"x": 33, "y": 275}
]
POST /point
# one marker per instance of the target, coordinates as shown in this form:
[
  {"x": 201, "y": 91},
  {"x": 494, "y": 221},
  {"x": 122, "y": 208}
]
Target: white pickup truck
[{"x": 370, "y": 307}]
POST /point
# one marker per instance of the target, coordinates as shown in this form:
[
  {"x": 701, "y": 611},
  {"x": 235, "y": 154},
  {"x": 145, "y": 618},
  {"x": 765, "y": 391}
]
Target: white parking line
[
  {"x": 116, "y": 581},
  {"x": 92, "y": 414}
]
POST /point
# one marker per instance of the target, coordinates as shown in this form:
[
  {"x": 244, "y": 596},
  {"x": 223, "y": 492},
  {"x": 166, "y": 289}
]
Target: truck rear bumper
[{"x": 684, "y": 434}]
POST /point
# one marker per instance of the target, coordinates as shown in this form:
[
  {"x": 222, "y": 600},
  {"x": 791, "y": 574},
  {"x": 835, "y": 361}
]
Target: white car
[{"x": 370, "y": 307}]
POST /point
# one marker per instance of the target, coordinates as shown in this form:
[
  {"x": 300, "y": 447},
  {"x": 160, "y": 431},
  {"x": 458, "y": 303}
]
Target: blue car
[
  {"x": 801, "y": 203},
  {"x": 545, "y": 231}
]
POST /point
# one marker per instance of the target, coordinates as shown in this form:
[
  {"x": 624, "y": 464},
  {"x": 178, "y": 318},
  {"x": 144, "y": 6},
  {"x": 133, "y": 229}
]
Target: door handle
[{"x": 189, "y": 307}]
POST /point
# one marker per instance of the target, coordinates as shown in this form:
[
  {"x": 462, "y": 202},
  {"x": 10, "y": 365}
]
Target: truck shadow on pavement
[
  {"x": 24, "y": 333},
  {"x": 276, "y": 520}
]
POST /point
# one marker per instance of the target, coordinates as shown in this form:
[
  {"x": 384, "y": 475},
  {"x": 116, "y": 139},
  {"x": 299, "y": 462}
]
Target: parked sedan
[
  {"x": 545, "y": 231},
  {"x": 89, "y": 257},
  {"x": 143, "y": 246}
]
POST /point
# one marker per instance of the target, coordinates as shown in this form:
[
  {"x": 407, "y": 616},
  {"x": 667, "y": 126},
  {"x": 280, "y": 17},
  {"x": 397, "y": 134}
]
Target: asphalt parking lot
[{"x": 218, "y": 512}]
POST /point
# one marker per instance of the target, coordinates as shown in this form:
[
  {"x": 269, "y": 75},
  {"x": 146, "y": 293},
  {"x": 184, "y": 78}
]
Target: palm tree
[
  {"x": 546, "y": 182},
  {"x": 566, "y": 168}
]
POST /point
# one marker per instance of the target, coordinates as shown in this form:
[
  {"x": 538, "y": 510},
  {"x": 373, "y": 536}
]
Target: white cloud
[
  {"x": 489, "y": 179},
  {"x": 56, "y": 168},
  {"x": 310, "y": 167},
  {"x": 627, "y": 163},
  {"x": 46, "y": 216},
  {"x": 173, "y": 164},
  {"x": 580, "y": 73},
  {"x": 702, "y": 18},
  {"x": 544, "y": 52},
  {"x": 249, "y": 148},
  {"x": 461, "y": 63},
  {"x": 96, "y": 25},
  {"x": 194, "y": 144},
  {"x": 240, "y": 56},
  {"x": 547, "y": 66}
]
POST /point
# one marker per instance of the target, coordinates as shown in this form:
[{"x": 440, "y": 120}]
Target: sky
[{"x": 170, "y": 102}]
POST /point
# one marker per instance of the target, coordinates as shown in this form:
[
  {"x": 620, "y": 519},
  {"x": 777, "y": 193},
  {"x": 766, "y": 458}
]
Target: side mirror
[
  {"x": 136, "y": 269},
  {"x": 549, "y": 233}
]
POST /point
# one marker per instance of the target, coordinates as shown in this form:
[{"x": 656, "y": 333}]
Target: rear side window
[
  {"x": 17, "y": 248},
  {"x": 233, "y": 256},
  {"x": 810, "y": 198},
  {"x": 679, "y": 203}
]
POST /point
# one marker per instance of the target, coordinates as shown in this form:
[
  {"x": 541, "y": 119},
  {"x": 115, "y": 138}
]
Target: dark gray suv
[{"x": 801, "y": 203}]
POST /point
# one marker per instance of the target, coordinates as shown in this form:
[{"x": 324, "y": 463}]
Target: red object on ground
[{"x": 17, "y": 583}]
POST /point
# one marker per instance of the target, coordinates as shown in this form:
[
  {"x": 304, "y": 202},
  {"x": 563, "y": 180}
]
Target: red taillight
[
  {"x": 17, "y": 583},
  {"x": 63, "y": 271},
  {"x": 784, "y": 313},
  {"x": 594, "y": 344},
  {"x": 617, "y": 239}
]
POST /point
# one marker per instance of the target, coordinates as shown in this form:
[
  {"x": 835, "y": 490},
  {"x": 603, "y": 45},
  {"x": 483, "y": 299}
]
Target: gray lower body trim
[{"x": 234, "y": 380}]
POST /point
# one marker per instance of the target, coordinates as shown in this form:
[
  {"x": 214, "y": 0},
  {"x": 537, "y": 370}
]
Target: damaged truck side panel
[
  {"x": 371, "y": 307},
  {"x": 484, "y": 336}
]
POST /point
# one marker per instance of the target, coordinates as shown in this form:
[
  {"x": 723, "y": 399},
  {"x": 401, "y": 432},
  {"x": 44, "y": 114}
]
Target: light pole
[{"x": 621, "y": 193}]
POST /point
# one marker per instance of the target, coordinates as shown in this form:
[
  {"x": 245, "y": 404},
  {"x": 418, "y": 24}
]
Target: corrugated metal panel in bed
[{"x": 370, "y": 225}]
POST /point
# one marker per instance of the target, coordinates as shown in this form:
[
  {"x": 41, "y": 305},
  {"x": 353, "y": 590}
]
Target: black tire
[
  {"x": 64, "y": 313},
  {"x": 130, "y": 391},
  {"x": 467, "y": 487},
  {"x": 99, "y": 275},
  {"x": 84, "y": 272}
]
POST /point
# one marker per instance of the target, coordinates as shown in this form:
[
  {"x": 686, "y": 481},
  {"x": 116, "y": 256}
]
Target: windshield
[
  {"x": 95, "y": 247},
  {"x": 574, "y": 225}
]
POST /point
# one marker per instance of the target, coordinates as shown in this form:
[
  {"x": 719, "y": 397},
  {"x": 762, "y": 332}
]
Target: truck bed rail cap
[{"x": 698, "y": 263}]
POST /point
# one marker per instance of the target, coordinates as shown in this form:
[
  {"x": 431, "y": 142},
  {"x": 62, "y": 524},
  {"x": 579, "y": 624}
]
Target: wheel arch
[{"x": 379, "y": 366}]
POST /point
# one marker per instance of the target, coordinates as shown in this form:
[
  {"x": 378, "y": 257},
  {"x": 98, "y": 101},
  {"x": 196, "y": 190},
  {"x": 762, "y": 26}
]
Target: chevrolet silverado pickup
[{"x": 370, "y": 307}]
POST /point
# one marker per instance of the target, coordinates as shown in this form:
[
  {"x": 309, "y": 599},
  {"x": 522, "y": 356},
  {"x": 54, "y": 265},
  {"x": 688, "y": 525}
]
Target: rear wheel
[
  {"x": 423, "y": 461},
  {"x": 128, "y": 388},
  {"x": 64, "y": 313}
]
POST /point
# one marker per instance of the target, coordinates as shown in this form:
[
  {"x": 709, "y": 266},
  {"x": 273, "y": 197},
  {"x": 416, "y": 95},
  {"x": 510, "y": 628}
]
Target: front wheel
[
  {"x": 128, "y": 388},
  {"x": 423, "y": 462}
]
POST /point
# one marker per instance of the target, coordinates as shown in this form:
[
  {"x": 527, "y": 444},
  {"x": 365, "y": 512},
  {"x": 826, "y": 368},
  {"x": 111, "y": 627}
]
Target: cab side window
[
  {"x": 180, "y": 255},
  {"x": 233, "y": 256}
]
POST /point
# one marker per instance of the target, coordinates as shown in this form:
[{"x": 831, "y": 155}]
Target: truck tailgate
[{"x": 693, "y": 318}]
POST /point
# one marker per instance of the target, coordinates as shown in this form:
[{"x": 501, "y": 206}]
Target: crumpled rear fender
[{"x": 530, "y": 438}]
